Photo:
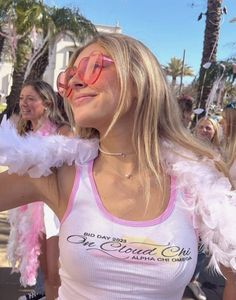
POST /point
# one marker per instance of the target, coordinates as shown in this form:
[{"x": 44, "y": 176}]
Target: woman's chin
[{"x": 25, "y": 117}]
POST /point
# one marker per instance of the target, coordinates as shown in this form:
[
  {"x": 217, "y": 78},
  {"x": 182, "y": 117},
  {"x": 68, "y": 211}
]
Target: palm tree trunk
[
  {"x": 173, "y": 82},
  {"x": 211, "y": 36},
  {"x": 39, "y": 67},
  {"x": 2, "y": 40},
  {"x": 12, "y": 98},
  {"x": 23, "y": 53}
]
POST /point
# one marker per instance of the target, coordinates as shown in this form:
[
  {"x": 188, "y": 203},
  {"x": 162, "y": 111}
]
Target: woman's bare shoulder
[{"x": 65, "y": 130}]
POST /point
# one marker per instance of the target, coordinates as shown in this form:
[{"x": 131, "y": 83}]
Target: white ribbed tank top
[{"x": 104, "y": 258}]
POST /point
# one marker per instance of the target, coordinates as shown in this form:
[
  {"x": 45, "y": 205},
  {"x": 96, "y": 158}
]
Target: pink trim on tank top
[
  {"x": 167, "y": 212},
  {"x": 73, "y": 194}
]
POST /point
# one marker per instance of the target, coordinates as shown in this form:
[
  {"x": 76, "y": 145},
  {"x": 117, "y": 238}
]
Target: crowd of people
[
  {"x": 212, "y": 130},
  {"x": 122, "y": 199},
  {"x": 217, "y": 130}
]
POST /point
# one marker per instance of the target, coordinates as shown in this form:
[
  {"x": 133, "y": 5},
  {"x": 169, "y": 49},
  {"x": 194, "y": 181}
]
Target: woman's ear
[{"x": 47, "y": 106}]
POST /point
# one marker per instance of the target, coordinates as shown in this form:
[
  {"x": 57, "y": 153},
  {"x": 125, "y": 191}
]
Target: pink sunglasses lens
[
  {"x": 90, "y": 68},
  {"x": 63, "y": 81},
  {"x": 61, "y": 84},
  {"x": 88, "y": 71}
]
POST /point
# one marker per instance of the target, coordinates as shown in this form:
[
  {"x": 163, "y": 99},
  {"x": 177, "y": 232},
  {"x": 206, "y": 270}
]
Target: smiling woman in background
[
  {"x": 208, "y": 131},
  {"x": 34, "y": 227}
]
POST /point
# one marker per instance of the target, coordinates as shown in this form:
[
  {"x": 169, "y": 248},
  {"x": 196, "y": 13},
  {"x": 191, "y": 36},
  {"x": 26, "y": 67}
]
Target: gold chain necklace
[{"x": 122, "y": 154}]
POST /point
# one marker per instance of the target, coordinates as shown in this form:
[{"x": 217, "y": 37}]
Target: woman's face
[
  {"x": 31, "y": 105},
  {"x": 205, "y": 130},
  {"x": 94, "y": 104}
]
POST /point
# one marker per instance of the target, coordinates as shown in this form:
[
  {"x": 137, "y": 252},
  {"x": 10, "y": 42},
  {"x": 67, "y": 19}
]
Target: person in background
[
  {"x": 208, "y": 131},
  {"x": 186, "y": 108},
  {"x": 185, "y": 103},
  {"x": 34, "y": 227},
  {"x": 124, "y": 216},
  {"x": 229, "y": 129}
]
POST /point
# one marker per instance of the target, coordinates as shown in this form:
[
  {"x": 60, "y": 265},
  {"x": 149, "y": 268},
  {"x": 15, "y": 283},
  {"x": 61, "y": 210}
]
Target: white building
[{"x": 58, "y": 60}]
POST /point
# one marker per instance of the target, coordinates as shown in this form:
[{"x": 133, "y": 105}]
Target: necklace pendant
[
  {"x": 128, "y": 176},
  {"x": 123, "y": 155}
]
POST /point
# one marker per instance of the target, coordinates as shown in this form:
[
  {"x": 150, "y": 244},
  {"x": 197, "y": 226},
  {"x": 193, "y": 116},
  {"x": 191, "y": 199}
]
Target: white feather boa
[
  {"x": 210, "y": 200},
  {"x": 35, "y": 155}
]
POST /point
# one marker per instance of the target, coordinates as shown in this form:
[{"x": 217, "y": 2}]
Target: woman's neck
[
  {"x": 117, "y": 155},
  {"x": 117, "y": 140},
  {"x": 36, "y": 124}
]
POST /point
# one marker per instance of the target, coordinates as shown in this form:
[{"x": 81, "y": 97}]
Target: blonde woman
[
  {"x": 208, "y": 131},
  {"x": 128, "y": 231},
  {"x": 229, "y": 129},
  {"x": 34, "y": 227}
]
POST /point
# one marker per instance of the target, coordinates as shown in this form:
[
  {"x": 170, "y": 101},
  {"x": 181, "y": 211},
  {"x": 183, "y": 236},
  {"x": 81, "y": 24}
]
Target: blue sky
[{"x": 167, "y": 27}]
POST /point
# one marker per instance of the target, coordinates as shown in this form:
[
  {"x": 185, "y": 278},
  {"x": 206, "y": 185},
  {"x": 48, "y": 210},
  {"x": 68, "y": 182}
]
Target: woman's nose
[
  {"x": 76, "y": 82},
  {"x": 22, "y": 102}
]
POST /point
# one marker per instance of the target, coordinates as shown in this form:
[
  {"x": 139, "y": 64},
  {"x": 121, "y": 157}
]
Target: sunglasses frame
[{"x": 65, "y": 86}]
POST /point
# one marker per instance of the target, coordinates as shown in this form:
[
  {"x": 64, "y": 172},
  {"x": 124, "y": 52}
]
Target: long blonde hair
[
  {"x": 157, "y": 115},
  {"x": 50, "y": 100},
  {"x": 229, "y": 114}
]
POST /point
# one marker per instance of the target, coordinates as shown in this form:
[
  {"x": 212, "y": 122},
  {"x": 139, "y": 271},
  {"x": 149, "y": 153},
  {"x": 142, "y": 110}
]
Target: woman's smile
[{"x": 83, "y": 97}]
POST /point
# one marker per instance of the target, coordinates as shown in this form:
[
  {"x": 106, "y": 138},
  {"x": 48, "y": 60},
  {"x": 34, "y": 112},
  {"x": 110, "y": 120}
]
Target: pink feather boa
[
  {"x": 23, "y": 245},
  {"x": 27, "y": 226},
  {"x": 209, "y": 199}
]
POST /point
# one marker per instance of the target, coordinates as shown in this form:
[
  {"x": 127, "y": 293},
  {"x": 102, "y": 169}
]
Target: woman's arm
[
  {"x": 17, "y": 190},
  {"x": 230, "y": 284}
]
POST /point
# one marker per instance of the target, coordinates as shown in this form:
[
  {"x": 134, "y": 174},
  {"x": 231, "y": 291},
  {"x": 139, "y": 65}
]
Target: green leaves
[
  {"x": 67, "y": 19},
  {"x": 174, "y": 68},
  {"x": 30, "y": 13}
]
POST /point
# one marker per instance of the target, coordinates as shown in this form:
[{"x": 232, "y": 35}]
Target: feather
[
  {"x": 212, "y": 202},
  {"x": 42, "y": 153}
]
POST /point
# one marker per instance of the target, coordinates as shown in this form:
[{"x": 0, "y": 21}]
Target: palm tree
[
  {"x": 211, "y": 36},
  {"x": 2, "y": 40},
  {"x": 64, "y": 21},
  {"x": 31, "y": 15},
  {"x": 26, "y": 14},
  {"x": 2, "y": 35},
  {"x": 229, "y": 91},
  {"x": 229, "y": 88},
  {"x": 6, "y": 15},
  {"x": 175, "y": 69}
]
